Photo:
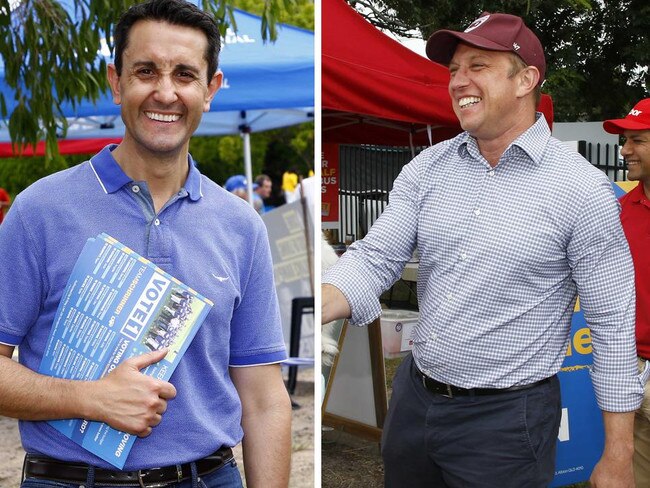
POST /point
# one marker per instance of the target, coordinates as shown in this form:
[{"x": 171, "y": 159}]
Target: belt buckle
[
  {"x": 162, "y": 484},
  {"x": 449, "y": 393}
]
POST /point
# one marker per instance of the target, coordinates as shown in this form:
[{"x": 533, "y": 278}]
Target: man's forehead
[
  {"x": 161, "y": 36},
  {"x": 628, "y": 134},
  {"x": 471, "y": 52}
]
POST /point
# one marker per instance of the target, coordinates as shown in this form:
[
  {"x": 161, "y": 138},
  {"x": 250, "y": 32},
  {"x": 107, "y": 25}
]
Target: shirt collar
[
  {"x": 637, "y": 194},
  {"x": 530, "y": 141},
  {"x": 111, "y": 178}
]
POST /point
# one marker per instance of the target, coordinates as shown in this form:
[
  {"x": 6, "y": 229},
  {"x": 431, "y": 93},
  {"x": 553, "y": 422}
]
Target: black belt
[
  {"x": 65, "y": 472},
  {"x": 451, "y": 391}
]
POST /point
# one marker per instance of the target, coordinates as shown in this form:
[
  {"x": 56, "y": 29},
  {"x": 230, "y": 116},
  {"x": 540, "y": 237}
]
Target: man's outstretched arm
[{"x": 334, "y": 305}]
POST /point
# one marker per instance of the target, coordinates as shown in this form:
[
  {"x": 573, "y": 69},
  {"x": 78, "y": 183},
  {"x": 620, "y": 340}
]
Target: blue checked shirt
[{"x": 503, "y": 252}]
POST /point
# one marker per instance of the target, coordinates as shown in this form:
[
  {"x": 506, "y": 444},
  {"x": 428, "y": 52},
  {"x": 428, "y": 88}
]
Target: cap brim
[
  {"x": 442, "y": 44},
  {"x": 618, "y": 126}
]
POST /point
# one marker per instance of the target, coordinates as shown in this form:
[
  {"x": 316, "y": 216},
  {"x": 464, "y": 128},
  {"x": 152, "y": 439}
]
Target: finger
[
  {"x": 167, "y": 390},
  {"x": 145, "y": 432},
  {"x": 157, "y": 418},
  {"x": 147, "y": 359},
  {"x": 162, "y": 408}
]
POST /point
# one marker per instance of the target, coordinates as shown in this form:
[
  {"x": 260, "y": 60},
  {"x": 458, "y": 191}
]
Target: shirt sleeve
[
  {"x": 22, "y": 283},
  {"x": 256, "y": 327},
  {"x": 371, "y": 265},
  {"x": 604, "y": 275}
]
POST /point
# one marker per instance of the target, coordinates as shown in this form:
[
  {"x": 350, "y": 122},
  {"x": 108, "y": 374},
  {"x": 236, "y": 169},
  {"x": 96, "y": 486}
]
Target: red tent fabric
[
  {"x": 376, "y": 91},
  {"x": 66, "y": 146}
]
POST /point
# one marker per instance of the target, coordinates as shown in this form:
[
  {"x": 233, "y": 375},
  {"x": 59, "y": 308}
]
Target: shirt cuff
[
  {"x": 616, "y": 394},
  {"x": 364, "y": 304},
  {"x": 9, "y": 339},
  {"x": 259, "y": 359}
]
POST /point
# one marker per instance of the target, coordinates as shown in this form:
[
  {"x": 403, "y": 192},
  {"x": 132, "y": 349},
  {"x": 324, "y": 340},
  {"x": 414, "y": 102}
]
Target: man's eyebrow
[
  {"x": 473, "y": 58},
  {"x": 186, "y": 67},
  {"x": 178, "y": 67},
  {"x": 144, "y": 64}
]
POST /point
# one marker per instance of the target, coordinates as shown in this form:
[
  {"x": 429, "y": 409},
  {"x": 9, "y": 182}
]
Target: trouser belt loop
[{"x": 90, "y": 479}]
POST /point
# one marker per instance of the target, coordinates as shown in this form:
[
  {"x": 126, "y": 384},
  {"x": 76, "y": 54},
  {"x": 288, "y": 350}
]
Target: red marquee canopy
[
  {"x": 376, "y": 91},
  {"x": 66, "y": 146}
]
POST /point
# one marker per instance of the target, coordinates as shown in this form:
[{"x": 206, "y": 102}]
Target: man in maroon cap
[
  {"x": 510, "y": 227},
  {"x": 635, "y": 217}
]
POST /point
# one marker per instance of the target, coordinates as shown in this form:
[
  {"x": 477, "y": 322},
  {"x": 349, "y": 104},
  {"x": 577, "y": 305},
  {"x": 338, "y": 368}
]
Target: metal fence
[
  {"x": 367, "y": 175},
  {"x": 605, "y": 157}
]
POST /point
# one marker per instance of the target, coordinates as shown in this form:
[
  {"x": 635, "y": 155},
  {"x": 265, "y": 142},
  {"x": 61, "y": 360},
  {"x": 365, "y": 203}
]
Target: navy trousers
[{"x": 507, "y": 440}]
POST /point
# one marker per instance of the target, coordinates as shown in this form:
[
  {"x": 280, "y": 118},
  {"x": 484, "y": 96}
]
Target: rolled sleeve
[
  {"x": 604, "y": 275},
  {"x": 371, "y": 266}
]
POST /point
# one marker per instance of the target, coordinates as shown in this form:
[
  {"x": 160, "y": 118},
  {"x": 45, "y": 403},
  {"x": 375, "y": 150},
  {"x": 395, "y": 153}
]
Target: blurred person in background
[{"x": 262, "y": 191}]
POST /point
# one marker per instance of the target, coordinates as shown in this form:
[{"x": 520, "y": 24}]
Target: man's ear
[
  {"x": 114, "y": 82},
  {"x": 528, "y": 80},
  {"x": 213, "y": 88}
]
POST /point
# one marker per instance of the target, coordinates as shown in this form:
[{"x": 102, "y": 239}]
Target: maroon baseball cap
[
  {"x": 494, "y": 32},
  {"x": 637, "y": 119}
]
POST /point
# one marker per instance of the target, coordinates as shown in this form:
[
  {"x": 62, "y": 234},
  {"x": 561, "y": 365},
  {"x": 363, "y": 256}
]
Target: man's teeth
[
  {"x": 467, "y": 101},
  {"x": 162, "y": 117}
]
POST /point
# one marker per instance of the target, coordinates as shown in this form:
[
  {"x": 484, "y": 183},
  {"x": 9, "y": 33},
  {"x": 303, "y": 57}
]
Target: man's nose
[
  {"x": 166, "y": 91},
  {"x": 626, "y": 149},
  {"x": 458, "y": 79}
]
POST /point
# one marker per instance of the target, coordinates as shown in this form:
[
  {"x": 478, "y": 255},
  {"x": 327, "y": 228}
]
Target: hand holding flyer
[
  {"x": 116, "y": 307},
  {"x": 133, "y": 402}
]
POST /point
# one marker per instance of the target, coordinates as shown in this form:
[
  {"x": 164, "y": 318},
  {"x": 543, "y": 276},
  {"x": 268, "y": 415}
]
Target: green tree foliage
[
  {"x": 51, "y": 57},
  {"x": 16, "y": 174},
  {"x": 272, "y": 152},
  {"x": 597, "y": 51},
  {"x": 300, "y": 15}
]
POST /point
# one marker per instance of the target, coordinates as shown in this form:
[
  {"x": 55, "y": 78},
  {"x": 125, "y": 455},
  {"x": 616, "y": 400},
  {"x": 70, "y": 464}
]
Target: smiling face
[
  {"x": 487, "y": 96},
  {"x": 163, "y": 88},
  {"x": 636, "y": 152}
]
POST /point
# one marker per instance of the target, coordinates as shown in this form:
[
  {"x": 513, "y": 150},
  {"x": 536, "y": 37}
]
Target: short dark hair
[
  {"x": 260, "y": 179},
  {"x": 175, "y": 12}
]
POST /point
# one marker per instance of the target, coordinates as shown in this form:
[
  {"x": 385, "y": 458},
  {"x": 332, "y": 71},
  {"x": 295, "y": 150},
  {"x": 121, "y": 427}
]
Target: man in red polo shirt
[
  {"x": 5, "y": 201},
  {"x": 635, "y": 217}
]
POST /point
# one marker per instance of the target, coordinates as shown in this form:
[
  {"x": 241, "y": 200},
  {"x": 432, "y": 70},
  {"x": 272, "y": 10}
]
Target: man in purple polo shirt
[{"x": 147, "y": 193}]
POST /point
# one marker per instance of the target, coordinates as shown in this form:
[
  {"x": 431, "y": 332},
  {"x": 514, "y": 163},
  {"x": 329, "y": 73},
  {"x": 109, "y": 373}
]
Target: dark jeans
[
  {"x": 225, "y": 477},
  {"x": 500, "y": 441}
]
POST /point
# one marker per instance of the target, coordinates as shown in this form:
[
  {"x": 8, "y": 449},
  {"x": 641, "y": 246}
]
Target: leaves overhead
[
  {"x": 51, "y": 57},
  {"x": 597, "y": 51}
]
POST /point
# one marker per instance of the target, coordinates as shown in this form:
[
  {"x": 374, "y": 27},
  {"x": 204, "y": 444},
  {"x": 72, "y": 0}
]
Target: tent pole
[{"x": 248, "y": 165}]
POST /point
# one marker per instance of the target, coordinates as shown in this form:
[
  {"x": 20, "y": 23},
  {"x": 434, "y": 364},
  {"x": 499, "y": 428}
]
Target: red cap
[
  {"x": 494, "y": 32},
  {"x": 637, "y": 119}
]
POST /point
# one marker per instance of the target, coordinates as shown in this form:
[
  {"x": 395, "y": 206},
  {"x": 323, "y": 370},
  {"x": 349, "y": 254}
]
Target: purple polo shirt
[{"x": 208, "y": 238}]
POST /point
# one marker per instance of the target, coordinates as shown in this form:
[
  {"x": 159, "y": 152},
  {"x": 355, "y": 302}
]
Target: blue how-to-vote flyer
[{"x": 117, "y": 305}]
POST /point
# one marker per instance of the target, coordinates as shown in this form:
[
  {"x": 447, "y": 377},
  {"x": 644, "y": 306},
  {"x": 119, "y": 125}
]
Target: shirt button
[
  {"x": 463, "y": 256},
  {"x": 449, "y": 296},
  {"x": 156, "y": 222},
  {"x": 135, "y": 188},
  {"x": 477, "y": 211},
  {"x": 491, "y": 172}
]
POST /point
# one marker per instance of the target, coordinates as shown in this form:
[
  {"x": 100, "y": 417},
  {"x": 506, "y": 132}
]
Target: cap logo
[
  {"x": 477, "y": 23},
  {"x": 515, "y": 46},
  {"x": 635, "y": 112}
]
